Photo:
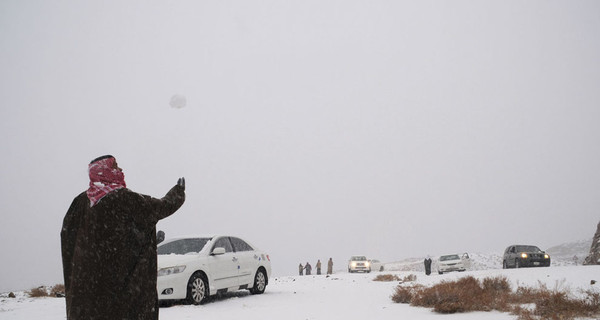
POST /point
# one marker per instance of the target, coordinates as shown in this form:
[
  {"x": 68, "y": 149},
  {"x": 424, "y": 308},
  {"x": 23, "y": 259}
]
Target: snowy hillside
[
  {"x": 342, "y": 296},
  {"x": 570, "y": 253}
]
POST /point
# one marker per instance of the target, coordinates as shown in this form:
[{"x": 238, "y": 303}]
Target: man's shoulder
[
  {"x": 81, "y": 197},
  {"x": 124, "y": 193}
]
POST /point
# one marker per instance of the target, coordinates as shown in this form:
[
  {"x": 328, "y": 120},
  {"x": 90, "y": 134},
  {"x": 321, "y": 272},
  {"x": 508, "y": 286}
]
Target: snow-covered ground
[{"x": 340, "y": 296}]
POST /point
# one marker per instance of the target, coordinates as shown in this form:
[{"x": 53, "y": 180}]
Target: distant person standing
[
  {"x": 318, "y": 265},
  {"x": 300, "y": 269},
  {"x": 427, "y": 263},
  {"x": 308, "y": 268},
  {"x": 330, "y": 266},
  {"x": 108, "y": 244}
]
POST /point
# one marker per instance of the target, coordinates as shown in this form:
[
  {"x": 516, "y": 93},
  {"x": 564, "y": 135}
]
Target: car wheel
[
  {"x": 517, "y": 263},
  {"x": 260, "y": 283},
  {"x": 440, "y": 272},
  {"x": 197, "y": 289}
]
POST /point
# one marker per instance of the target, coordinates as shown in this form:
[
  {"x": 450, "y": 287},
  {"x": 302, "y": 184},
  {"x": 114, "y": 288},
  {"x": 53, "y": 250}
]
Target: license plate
[{"x": 536, "y": 263}]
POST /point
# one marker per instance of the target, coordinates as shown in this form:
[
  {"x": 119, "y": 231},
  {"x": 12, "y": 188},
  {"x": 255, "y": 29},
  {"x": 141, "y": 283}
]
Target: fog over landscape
[{"x": 312, "y": 129}]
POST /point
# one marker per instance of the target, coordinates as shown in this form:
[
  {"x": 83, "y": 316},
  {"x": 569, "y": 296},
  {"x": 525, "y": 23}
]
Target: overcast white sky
[{"x": 313, "y": 129}]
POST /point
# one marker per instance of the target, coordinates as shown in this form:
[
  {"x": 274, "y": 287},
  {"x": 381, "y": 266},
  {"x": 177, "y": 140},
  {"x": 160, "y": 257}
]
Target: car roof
[{"x": 523, "y": 245}]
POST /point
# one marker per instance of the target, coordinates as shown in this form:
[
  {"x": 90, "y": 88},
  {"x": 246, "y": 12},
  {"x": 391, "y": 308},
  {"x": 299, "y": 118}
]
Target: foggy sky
[{"x": 313, "y": 129}]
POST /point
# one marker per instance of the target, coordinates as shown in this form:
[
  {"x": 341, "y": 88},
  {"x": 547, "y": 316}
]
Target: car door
[
  {"x": 247, "y": 261},
  {"x": 510, "y": 256},
  {"x": 223, "y": 267}
]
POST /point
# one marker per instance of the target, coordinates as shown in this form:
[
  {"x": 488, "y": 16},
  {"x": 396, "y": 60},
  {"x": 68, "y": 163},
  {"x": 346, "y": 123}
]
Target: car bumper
[
  {"x": 363, "y": 269},
  {"x": 450, "y": 269},
  {"x": 534, "y": 262},
  {"x": 172, "y": 287}
]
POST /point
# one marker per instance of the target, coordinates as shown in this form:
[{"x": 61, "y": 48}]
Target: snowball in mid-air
[{"x": 177, "y": 101}]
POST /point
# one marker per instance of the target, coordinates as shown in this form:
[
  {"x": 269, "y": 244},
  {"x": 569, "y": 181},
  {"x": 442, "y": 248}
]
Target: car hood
[
  {"x": 451, "y": 261},
  {"x": 172, "y": 260}
]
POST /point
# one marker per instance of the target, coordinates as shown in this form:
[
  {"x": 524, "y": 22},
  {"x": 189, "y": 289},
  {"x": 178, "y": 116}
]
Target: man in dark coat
[
  {"x": 308, "y": 268},
  {"x": 427, "y": 266},
  {"x": 108, "y": 243}
]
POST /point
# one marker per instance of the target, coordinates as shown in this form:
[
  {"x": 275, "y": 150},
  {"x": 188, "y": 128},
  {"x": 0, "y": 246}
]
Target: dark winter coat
[
  {"x": 308, "y": 269},
  {"x": 109, "y": 254},
  {"x": 427, "y": 263}
]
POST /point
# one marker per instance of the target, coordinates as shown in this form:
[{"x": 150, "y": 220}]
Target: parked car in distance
[
  {"x": 519, "y": 256},
  {"x": 359, "y": 263},
  {"x": 194, "y": 268},
  {"x": 453, "y": 262},
  {"x": 376, "y": 265}
]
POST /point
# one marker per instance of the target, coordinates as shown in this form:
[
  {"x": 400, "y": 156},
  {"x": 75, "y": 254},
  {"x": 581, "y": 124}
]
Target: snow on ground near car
[{"x": 340, "y": 296}]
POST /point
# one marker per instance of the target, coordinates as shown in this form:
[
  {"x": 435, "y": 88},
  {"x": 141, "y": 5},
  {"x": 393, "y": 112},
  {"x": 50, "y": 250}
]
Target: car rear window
[{"x": 183, "y": 246}]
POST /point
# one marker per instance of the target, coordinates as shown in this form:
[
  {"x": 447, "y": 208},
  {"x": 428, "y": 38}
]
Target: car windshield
[
  {"x": 359, "y": 258},
  {"x": 528, "y": 249},
  {"x": 183, "y": 246},
  {"x": 449, "y": 257}
]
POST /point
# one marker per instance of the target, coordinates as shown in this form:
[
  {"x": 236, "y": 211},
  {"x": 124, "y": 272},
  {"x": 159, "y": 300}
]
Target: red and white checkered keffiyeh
[{"x": 104, "y": 179}]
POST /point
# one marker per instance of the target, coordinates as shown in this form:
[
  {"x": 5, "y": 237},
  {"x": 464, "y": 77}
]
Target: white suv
[{"x": 359, "y": 263}]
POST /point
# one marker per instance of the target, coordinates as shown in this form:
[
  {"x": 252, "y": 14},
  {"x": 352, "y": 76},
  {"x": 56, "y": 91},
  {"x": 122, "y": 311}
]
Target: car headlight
[
  {"x": 546, "y": 256},
  {"x": 524, "y": 255},
  {"x": 353, "y": 264},
  {"x": 367, "y": 264},
  {"x": 170, "y": 270}
]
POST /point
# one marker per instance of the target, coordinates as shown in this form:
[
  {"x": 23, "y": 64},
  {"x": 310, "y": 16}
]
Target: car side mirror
[{"x": 218, "y": 251}]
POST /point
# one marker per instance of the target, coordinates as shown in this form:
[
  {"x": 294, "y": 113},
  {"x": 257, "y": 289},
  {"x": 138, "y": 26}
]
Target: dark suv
[{"x": 519, "y": 256}]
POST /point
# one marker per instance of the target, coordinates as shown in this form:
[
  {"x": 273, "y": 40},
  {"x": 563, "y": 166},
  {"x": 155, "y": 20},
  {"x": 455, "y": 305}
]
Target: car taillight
[{"x": 268, "y": 258}]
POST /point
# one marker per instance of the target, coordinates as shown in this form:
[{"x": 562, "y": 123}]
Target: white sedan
[
  {"x": 453, "y": 262},
  {"x": 194, "y": 268}
]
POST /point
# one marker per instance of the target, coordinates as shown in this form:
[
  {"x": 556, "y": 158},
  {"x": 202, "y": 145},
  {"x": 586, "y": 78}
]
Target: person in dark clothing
[
  {"x": 108, "y": 244},
  {"x": 308, "y": 268},
  {"x": 300, "y": 269},
  {"x": 427, "y": 263}
]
